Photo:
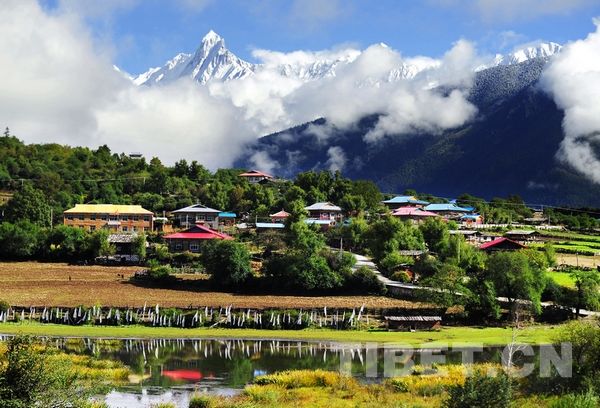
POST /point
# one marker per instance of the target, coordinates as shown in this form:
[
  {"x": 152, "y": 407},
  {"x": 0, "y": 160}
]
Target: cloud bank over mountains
[{"x": 58, "y": 85}]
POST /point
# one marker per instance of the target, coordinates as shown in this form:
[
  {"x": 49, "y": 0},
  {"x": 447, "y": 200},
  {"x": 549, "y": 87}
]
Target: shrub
[
  {"x": 4, "y": 306},
  {"x": 365, "y": 280},
  {"x": 481, "y": 390},
  {"x": 301, "y": 378},
  {"x": 200, "y": 401},
  {"x": 587, "y": 400},
  {"x": 400, "y": 276}
]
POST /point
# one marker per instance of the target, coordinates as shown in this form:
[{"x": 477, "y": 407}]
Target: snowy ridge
[{"x": 212, "y": 61}]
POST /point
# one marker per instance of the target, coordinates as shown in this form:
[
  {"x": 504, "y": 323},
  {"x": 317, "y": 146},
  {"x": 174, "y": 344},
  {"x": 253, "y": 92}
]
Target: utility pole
[{"x": 51, "y": 218}]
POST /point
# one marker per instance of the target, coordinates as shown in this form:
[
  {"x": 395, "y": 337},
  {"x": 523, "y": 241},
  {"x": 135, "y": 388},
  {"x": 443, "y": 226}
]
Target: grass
[
  {"x": 563, "y": 279},
  {"x": 317, "y": 388},
  {"x": 573, "y": 236},
  {"x": 58, "y": 284},
  {"x": 487, "y": 336}
]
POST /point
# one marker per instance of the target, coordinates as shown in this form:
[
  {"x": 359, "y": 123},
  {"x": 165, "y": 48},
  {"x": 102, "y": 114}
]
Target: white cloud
[
  {"x": 311, "y": 14},
  {"x": 573, "y": 79},
  {"x": 336, "y": 159},
  {"x": 194, "y": 6},
  {"x": 58, "y": 85}
]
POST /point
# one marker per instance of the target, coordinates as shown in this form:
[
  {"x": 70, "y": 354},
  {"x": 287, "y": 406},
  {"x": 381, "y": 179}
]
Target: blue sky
[{"x": 145, "y": 33}]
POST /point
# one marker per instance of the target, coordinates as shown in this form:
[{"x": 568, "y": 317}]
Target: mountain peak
[{"x": 211, "y": 38}]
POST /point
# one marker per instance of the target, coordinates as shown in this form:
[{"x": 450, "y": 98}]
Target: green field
[
  {"x": 563, "y": 279},
  {"x": 488, "y": 336}
]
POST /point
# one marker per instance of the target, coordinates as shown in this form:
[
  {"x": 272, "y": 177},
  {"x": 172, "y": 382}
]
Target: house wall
[
  {"x": 182, "y": 245},
  {"x": 186, "y": 220},
  {"x": 324, "y": 215},
  {"x": 127, "y": 222}
]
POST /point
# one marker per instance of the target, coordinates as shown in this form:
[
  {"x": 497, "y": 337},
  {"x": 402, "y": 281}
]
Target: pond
[{"x": 171, "y": 370}]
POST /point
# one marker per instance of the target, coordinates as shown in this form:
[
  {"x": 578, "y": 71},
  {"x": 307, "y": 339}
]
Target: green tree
[
  {"x": 22, "y": 239},
  {"x": 65, "y": 242},
  {"x": 228, "y": 262},
  {"x": 587, "y": 284},
  {"x": 516, "y": 276},
  {"x": 481, "y": 390},
  {"x": 389, "y": 234},
  {"x": 138, "y": 246},
  {"x": 98, "y": 245},
  {"x": 30, "y": 204},
  {"x": 435, "y": 233}
]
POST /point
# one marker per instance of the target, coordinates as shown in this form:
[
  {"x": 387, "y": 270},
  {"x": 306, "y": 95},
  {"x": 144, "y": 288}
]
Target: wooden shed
[{"x": 411, "y": 323}]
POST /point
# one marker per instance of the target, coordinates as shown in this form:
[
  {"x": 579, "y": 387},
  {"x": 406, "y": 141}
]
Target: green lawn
[
  {"x": 456, "y": 335},
  {"x": 563, "y": 279}
]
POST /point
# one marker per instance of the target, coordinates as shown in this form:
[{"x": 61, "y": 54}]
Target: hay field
[{"x": 48, "y": 284}]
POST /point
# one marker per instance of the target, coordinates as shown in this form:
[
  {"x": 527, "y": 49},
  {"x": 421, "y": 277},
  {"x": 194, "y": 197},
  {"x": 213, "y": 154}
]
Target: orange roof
[{"x": 280, "y": 214}]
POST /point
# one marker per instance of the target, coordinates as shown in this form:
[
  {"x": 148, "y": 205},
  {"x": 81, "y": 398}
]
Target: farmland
[{"x": 60, "y": 284}]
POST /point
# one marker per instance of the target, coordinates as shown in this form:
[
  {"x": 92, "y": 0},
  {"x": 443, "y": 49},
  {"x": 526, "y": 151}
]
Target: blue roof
[
  {"x": 470, "y": 216},
  {"x": 405, "y": 200},
  {"x": 276, "y": 225},
  {"x": 227, "y": 215},
  {"x": 445, "y": 207}
]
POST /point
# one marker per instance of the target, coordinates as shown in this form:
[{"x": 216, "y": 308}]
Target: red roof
[
  {"x": 198, "y": 232},
  {"x": 280, "y": 214},
  {"x": 499, "y": 241},
  {"x": 255, "y": 173},
  {"x": 191, "y": 375},
  {"x": 413, "y": 212}
]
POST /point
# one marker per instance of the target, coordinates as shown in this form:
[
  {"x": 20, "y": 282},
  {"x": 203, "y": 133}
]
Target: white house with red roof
[
  {"x": 192, "y": 238},
  {"x": 279, "y": 216},
  {"x": 255, "y": 176}
]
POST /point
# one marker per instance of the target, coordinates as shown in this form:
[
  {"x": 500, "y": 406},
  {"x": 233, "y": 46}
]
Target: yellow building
[{"x": 115, "y": 217}]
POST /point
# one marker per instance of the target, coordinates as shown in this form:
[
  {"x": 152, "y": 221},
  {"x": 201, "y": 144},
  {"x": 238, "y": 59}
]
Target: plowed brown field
[{"x": 58, "y": 284}]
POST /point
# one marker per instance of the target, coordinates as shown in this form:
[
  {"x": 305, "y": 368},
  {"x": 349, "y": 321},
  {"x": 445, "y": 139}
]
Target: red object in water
[{"x": 189, "y": 375}]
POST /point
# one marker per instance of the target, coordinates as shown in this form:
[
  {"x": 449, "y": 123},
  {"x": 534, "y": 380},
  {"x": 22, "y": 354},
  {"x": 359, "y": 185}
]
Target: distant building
[
  {"x": 279, "y": 216},
  {"x": 470, "y": 235},
  {"x": 501, "y": 244},
  {"x": 115, "y": 217},
  {"x": 192, "y": 238},
  {"x": 196, "y": 214},
  {"x": 255, "y": 176},
  {"x": 523, "y": 235},
  {"x": 227, "y": 218},
  {"x": 324, "y": 211},
  {"x": 414, "y": 214},
  {"x": 449, "y": 211},
  {"x": 404, "y": 201},
  {"x": 411, "y": 323},
  {"x": 135, "y": 155}
]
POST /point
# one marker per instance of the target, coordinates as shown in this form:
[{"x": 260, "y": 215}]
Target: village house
[
  {"x": 192, "y": 238},
  {"x": 279, "y": 216},
  {"x": 196, "y": 214},
  {"x": 255, "y": 176},
  {"x": 227, "y": 219},
  {"x": 501, "y": 244},
  {"x": 413, "y": 214},
  {"x": 324, "y": 211},
  {"x": 449, "y": 211},
  {"x": 470, "y": 235},
  {"x": 523, "y": 236},
  {"x": 115, "y": 217},
  {"x": 404, "y": 201}
]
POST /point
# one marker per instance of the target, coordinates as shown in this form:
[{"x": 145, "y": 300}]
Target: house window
[
  {"x": 125, "y": 228},
  {"x": 80, "y": 226},
  {"x": 113, "y": 218},
  {"x": 80, "y": 217},
  {"x": 92, "y": 228},
  {"x": 133, "y": 229},
  {"x": 135, "y": 218},
  {"x": 146, "y": 218},
  {"x": 124, "y": 218},
  {"x": 146, "y": 229},
  {"x": 103, "y": 217},
  {"x": 70, "y": 217},
  {"x": 178, "y": 246},
  {"x": 194, "y": 247},
  {"x": 199, "y": 217},
  {"x": 93, "y": 217}
]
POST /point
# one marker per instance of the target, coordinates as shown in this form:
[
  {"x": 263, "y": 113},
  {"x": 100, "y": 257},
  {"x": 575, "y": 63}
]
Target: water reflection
[{"x": 171, "y": 369}]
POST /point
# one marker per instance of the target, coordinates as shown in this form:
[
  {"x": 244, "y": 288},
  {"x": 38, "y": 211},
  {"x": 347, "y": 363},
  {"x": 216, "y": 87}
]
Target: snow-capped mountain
[
  {"x": 540, "y": 50},
  {"x": 212, "y": 61}
]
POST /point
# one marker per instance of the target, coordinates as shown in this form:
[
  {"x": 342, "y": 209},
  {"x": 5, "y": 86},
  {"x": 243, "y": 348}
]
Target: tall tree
[{"x": 30, "y": 204}]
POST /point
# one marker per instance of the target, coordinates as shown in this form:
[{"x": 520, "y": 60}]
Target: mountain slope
[{"x": 509, "y": 149}]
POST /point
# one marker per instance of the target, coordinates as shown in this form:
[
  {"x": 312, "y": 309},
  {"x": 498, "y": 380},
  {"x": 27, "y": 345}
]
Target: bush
[
  {"x": 4, "y": 306},
  {"x": 228, "y": 263},
  {"x": 587, "y": 400},
  {"x": 400, "y": 276},
  {"x": 364, "y": 280},
  {"x": 200, "y": 401},
  {"x": 481, "y": 390}
]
